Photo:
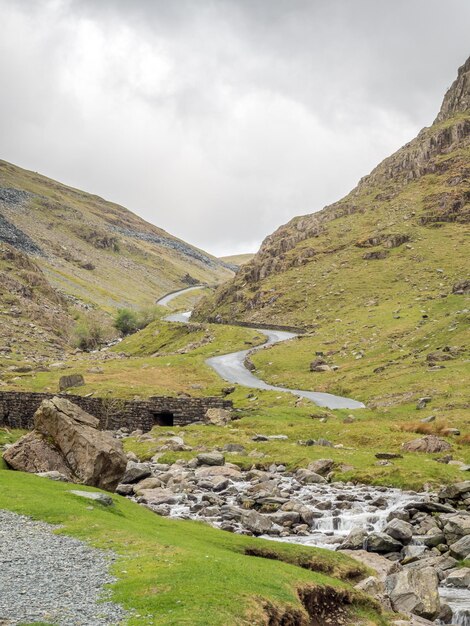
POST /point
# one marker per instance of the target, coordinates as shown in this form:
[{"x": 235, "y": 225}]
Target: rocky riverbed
[{"x": 415, "y": 541}]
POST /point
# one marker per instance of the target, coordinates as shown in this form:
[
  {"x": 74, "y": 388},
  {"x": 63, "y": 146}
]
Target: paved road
[
  {"x": 231, "y": 366},
  {"x": 171, "y": 296}
]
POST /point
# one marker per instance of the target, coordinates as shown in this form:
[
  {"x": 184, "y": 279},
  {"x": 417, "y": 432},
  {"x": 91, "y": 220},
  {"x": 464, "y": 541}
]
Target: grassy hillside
[
  {"x": 377, "y": 279},
  {"x": 237, "y": 259},
  {"x": 94, "y": 250},
  {"x": 186, "y": 573}
]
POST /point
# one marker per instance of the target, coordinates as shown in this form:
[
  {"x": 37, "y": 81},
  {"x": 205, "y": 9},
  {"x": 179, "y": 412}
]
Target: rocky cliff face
[
  {"x": 457, "y": 99},
  {"x": 423, "y": 186}
]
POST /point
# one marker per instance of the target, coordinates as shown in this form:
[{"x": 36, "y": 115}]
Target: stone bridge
[{"x": 17, "y": 410}]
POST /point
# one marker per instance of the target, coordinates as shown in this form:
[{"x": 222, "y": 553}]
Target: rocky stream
[{"x": 415, "y": 541}]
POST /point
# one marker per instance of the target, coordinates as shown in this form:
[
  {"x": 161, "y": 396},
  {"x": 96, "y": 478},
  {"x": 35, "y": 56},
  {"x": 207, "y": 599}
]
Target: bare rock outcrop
[
  {"x": 429, "y": 443},
  {"x": 67, "y": 439}
]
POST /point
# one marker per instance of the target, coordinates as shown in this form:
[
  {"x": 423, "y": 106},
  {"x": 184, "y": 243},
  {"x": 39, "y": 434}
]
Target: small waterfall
[{"x": 459, "y": 602}]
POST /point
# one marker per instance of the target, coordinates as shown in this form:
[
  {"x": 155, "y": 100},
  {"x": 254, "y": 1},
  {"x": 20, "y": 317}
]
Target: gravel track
[{"x": 52, "y": 578}]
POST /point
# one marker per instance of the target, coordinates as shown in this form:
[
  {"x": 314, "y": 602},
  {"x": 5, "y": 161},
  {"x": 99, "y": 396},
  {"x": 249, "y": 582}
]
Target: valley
[{"x": 332, "y": 488}]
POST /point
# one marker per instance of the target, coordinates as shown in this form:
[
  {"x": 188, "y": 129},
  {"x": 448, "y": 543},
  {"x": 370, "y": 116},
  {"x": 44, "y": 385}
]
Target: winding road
[{"x": 231, "y": 366}]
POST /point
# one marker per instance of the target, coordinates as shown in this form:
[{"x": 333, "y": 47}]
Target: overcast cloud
[{"x": 219, "y": 120}]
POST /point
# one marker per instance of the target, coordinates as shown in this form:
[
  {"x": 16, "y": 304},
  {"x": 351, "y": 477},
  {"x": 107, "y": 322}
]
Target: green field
[{"x": 176, "y": 572}]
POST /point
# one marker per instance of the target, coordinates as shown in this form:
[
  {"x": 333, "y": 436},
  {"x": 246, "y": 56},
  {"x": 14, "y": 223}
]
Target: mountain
[
  {"x": 377, "y": 279},
  {"x": 407, "y": 214},
  {"x": 94, "y": 249},
  {"x": 63, "y": 250}
]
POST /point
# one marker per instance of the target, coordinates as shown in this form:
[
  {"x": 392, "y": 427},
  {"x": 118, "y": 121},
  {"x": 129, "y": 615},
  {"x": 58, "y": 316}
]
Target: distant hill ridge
[{"x": 92, "y": 249}]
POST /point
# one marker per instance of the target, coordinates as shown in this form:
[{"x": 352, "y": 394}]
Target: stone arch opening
[{"x": 164, "y": 418}]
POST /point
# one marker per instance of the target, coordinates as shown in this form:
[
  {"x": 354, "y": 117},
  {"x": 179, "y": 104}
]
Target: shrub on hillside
[
  {"x": 90, "y": 332},
  {"x": 128, "y": 321}
]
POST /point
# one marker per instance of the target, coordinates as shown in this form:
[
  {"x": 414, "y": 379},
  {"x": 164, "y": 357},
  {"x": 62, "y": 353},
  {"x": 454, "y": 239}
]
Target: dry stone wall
[{"x": 17, "y": 410}]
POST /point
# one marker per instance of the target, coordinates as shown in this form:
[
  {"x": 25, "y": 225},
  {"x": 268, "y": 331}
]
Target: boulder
[
  {"x": 214, "y": 483},
  {"x": 382, "y": 566},
  {"x": 71, "y": 444},
  {"x": 423, "y": 402},
  {"x": 399, "y": 530},
  {"x": 135, "y": 472},
  {"x": 319, "y": 365},
  {"x": 218, "y": 417},
  {"x": 210, "y": 458},
  {"x": 412, "y": 553},
  {"x": 147, "y": 483},
  {"x": 94, "y": 496},
  {"x": 456, "y": 527},
  {"x": 176, "y": 444},
  {"x": 434, "y": 537},
  {"x": 455, "y": 491},
  {"x": 229, "y": 470},
  {"x": 430, "y": 507},
  {"x": 53, "y": 475},
  {"x": 461, "y": 548},
  {"x": 71, "y": 380},
  {"x": 382, "y": 543},
  {"x": 158, "y": 496},
  {"x": 374, "y": 587},
  {"x": 415, "y": 591},
  {"x": 428, "y": 443},
  {"x": 307, "y": 477},
  {"x": 125, "y": 490},
  {"x": 322, "y": 466},
  {"x": 459, "y": 577},
  {"x": 35, "y": 454},
  {"x": 355, "y": 540},
  {"x": 256, "y": 523}
]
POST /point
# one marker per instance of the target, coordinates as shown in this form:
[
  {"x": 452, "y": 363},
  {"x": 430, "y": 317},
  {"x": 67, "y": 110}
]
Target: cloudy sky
[{"x": 219, "y": 120}]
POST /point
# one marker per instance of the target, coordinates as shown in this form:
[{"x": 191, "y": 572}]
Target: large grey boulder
[
  {"x": 415, "y": 591},
  {"x": 399, "y": 530},
  {"x": 382, "y": 543},
  {"x": 307, "y": 477},
  {"x": 256, "y": 523},
  {"x": 355, "y": 540},
  {"x": 34, "y": 453},
  {"x": 456, "y": 527},
  {"x": 135, "y": 472},
  {"x": 459, "y": 577},
  {"x": 461, "y": 548},
  {"x": 382, "y": 566},
  {"x": 89, "y": 455},
  {"x": 229, "y": 470},
  {"x": 210, "y": 458},
  {"x": 71, "y": 380},
  {"x": 321, "y": 466},
  {"x": 158, "y": 496}
]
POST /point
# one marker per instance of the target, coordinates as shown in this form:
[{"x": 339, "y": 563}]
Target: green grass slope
[
  {"x": 377, "y": 279},
  {"x": 92, "y": 249},
  {"x": 184, "y": 573}
]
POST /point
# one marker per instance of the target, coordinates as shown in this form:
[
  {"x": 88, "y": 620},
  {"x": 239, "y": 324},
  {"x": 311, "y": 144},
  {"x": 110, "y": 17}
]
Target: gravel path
[{"x": 51, "y": 578}]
